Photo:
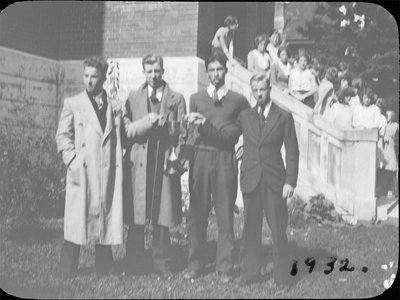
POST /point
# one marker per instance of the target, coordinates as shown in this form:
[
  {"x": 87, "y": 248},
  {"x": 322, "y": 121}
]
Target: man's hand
[
  {"x": 196, "y": 118},
  {"x": 287, "y": 191},
  {"x": 153, "y": 118}
]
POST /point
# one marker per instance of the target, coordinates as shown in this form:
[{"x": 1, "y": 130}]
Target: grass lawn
[{"x": 29, "y": 261}]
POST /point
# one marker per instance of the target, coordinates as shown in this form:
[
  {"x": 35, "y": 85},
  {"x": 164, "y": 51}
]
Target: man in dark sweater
[{"x": 213, "y": 169}]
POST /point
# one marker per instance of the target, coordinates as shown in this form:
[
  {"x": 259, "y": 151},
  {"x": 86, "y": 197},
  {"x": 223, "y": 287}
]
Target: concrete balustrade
[{"x": 338, "y": 163}]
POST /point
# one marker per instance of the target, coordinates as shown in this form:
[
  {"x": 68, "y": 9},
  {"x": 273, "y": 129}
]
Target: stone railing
[{"x": 338, "y": 163}]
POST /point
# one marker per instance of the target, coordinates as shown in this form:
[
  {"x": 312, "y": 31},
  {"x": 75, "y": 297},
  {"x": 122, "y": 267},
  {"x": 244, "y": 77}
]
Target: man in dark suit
[
  {"x": 265, "y": 183},
  {"x": 213, "y": 170},
  {"x": 152, "y": 196}
]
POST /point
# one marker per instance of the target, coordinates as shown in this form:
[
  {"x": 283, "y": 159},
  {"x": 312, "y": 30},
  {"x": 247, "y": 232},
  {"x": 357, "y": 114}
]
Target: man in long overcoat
[
  {"x": 89, "y": 140},
  {"x": 153, "y": 197}
]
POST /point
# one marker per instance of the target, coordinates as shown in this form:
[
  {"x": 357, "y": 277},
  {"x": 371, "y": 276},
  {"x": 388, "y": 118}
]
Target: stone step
[{"x": 387, "y": 206}]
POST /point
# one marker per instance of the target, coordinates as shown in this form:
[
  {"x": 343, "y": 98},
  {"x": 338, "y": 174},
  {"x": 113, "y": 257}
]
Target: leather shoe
[{"x": 192, "y": 274}]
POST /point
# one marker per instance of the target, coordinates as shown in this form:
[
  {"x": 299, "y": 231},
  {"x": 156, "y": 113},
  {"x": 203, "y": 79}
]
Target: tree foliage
[{"x": 365, "y": 35}]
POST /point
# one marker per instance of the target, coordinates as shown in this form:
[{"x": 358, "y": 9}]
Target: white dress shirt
[
  {"x": 221, "y": 92},
  {"x": 159, "y": 92},
  {"x": 266, "y": 109}
]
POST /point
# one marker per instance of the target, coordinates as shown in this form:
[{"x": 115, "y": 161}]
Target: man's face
[
  {"x": 93, "y": 79},
  {"x": 233, "y": 27},
  {"x": 216, "y": 73},
  {"x": 153, "y": 73},
  {"x": 260, "y": 90}
]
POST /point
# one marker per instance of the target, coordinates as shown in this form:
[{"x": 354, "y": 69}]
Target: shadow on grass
[{"x": 34, "y": 234}]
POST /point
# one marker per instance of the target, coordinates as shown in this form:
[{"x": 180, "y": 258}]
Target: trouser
[
  {"x": 275, "y": 208},
  {"x": 161, "y": 245},
  {"x": 212, "y": 172},
  {"x": 69, "y": 257}
]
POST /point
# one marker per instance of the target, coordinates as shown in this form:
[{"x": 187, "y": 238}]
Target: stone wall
[
  {"x": 338, "y": 163},
  {"x": 28, "y": 99}
]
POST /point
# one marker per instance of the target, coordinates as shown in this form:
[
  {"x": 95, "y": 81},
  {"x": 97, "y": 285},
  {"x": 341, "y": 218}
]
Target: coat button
[
  {"x": 141, "y": 164},
  {"x": 83, "y": 144},
  {"x": 144, "y": 147}
]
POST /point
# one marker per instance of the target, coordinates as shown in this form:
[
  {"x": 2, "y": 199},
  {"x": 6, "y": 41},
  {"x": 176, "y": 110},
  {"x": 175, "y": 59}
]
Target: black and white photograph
[{"x": 186, "y": 150}]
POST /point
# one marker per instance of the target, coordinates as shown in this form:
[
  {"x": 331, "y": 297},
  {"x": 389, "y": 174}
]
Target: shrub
[{"x": 28, "y": 188}]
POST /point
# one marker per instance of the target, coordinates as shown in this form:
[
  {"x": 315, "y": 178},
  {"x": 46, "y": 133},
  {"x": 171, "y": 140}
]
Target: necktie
[
  {"x": 261, "y": 113},
  {"x": 217, "y": 102},
  {"x": 99, "y": 101},
  {"x": 153, "y": 96}
]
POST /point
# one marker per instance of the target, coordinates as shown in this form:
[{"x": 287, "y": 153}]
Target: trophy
[{"x": 173, "y": 166}]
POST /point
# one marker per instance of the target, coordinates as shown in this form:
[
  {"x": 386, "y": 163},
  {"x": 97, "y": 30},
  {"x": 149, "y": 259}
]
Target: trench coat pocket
[{"x": 74, "y": 170}]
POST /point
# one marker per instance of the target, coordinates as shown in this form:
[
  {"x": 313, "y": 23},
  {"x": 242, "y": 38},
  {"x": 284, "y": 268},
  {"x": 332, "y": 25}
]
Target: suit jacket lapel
[
  {"x": 270, "y": 122},
  {"x": 142, "y": 105},
  {"x": 110, "y": 120},
  {"x": 165, "y": 99},
  {"x": 92, "y": 117},
  {"x": 255, "y": 122}
]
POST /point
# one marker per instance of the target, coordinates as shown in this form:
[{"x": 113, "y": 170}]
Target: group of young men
[{"x": 105, "y": 189}]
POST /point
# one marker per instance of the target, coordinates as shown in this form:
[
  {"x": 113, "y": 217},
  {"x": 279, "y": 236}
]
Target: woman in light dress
[
  {"x": 326, "y": 92},
  {"x": 366, "y": 115},
  {"x": 341, "y": 114},
  {"x": 391, "y": 148},
  {"x": 258, "y": 59},
  {"x": 302, "y": 82},
  {"x": 280, "y": 70}
]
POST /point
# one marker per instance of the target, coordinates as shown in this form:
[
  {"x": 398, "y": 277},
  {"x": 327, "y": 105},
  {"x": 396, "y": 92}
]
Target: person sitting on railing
[
  {"x": 341, "y": 114},
  {"x": 317, "y": 69},
  {"x": 223, "y": 39},
  {"x": 302, "y": 82},
  {"x": 366, "y": 115},
  {"x": 258, "y": 59},
  {"x": 357, "y": 84},
  {"x": 273, "y": 45},
  {"x": 326, "y": 92},
  {"x": 280, "y": 70}
]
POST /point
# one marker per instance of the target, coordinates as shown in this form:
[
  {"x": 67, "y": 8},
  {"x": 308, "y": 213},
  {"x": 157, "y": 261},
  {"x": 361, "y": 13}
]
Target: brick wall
[
  {"x": 133, "y": 29},
  {"x": 70, "y": 30}
]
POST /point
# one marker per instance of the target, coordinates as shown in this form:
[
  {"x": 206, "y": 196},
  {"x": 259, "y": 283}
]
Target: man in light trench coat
[
  {"x": 89, "y": 140},
  {"x": 152, "y": 197}
]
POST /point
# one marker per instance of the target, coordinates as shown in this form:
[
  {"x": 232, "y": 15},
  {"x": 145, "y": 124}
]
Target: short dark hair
[
  {"x": 345, "y": 92},
  {"x": 368, "y": 92},
  {"x": 96, "y": 62},
  {"x": 219, "y": 57},
  {"x": 259, "y": 39},
  {"x": 152, "y": 59},
  {"x": 331, "y": 74},
  {"x": 281, "y": 49},
  {"x": 230, "y": 20},
  {"x": 260, "y": 77}
]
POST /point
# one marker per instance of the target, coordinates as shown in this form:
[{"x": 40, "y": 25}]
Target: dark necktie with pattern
[
  {"x": 216, "y": 101},
  {"x": 261, "y": 113},
  {"x": 153, "y": 96}
]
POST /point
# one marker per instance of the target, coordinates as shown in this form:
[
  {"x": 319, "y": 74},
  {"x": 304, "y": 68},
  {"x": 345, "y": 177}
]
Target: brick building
[{"x": 42, "y": 44}]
